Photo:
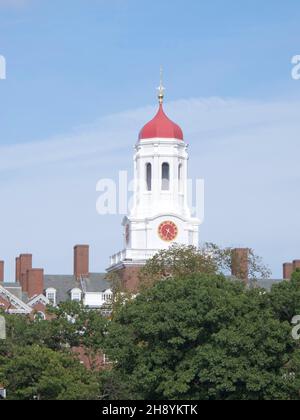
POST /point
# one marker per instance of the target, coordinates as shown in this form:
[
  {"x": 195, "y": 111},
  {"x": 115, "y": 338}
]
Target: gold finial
[{"x": 161, "y": 89}]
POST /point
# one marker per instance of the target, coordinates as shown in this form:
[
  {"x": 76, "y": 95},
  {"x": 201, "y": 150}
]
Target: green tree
[
  {"x": 204, "y": 337},
  {"x": 180, "y": 261},
  {"x": 71, "y": 325},
  {"x": 35, "y": 372},
  {"x": 285, "y": 298},
  {"x": 39, "y": 360}
]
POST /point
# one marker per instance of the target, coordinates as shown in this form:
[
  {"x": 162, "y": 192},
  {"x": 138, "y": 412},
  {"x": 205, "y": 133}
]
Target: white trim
[
  {"x": 39, "y": 299},
  {"x": 51, "y": 290},
  {"x": 76, "y": 292},
  {"x": 161, "y": 140},
  {"x": 20, "y": 307}
]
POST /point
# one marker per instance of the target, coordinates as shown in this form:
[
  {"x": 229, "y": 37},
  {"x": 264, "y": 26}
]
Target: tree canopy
[
  {"x": 180, "y": 261},
  {"x": 38, "y": 360},
  {"x": 194, "y": 334},
  {"x": 206, "y": 337},
  {"x": 36, "y": 372}
]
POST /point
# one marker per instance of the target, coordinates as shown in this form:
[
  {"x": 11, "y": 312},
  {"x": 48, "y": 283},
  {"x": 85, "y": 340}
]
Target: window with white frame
[
  {"x": 107, "y": 296},
  {"x": 106, "y": 360},
  {"x": 51, "y": 296},
  {"x": 76, "y": 295}
]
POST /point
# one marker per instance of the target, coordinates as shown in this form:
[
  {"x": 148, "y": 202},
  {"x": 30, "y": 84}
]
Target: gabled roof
[
  {"x": 19, "y": 307},
  {"x": 14, "y": 288},
  {"x": 38, "y": 299},
  {"x": 97, "y": 283}
]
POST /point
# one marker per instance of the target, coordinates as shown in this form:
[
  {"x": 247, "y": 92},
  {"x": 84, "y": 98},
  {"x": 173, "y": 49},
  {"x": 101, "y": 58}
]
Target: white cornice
[
  {"x": 39, "y": 299},
  {"x": 20, "y": 306}
]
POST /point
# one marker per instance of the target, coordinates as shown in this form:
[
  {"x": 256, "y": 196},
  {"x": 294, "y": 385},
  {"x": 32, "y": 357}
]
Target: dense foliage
[
  {"x": 194, "y": 335},
  {"x": 206, "y": 337},
  {"x": 36, "y": 372},
  {"x": 38, "y": 360},
  {"x": 181, "y": 261}
]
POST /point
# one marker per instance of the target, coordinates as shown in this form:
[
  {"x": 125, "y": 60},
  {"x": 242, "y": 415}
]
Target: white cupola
[{"x": 160, "y": 215}]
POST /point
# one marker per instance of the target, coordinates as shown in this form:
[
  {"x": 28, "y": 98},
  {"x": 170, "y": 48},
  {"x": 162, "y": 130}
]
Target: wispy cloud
[{"x": 247, "y": 152}]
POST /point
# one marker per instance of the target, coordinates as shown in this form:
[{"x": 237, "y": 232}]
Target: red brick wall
[
  {"x": 24, "y": 282},
  {"x": 25, "y": 265},
  {"x": 296, "y": 264},
  {"x": 240, "y": 263},
  {"x": 40, "y": 307},
  {"x": 4, "y": 304},
  {"x": 81, "y": 261},
  {"x": 18, "y": 270},
  {"x": 129, "y": 276},
  {"x": 288, "y": 270},
  {"x": 35, "y": 282},
  {"x": 90, "y": 361}
]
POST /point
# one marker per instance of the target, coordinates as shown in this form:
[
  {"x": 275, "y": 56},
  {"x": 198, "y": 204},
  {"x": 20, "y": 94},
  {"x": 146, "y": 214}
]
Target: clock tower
[{"x": 160, "y": 215}]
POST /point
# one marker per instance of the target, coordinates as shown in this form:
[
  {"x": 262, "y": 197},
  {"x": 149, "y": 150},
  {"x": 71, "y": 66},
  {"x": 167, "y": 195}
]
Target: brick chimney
[
  {"x": 23, "y": 282},
  {"x": 1, "y": 271},
  {"x": 35, "y": 282},
  {"x": 18, "y": 272},
  {"x": 296, "y": 264},
  {"x": 81, "y": 261},
  {"x": 25, "y": 262},
  {"x": 240, "y": 264},
  {"x": 288, "y": 269}
]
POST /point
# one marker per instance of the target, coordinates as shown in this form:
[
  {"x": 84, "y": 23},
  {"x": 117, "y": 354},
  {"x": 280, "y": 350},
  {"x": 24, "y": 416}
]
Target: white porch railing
[{"x": 132, "y": 255}]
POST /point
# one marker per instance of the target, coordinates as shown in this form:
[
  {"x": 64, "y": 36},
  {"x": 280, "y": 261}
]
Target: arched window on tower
[
  {"x": 180, "y": 179},
  {"x": 165, "y": 177},
  {"x": 149, "y": 176}
]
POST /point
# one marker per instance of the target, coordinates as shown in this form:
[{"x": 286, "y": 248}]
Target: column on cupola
[
  {"x": 156, "y": 174},
  {"x": 185, "y": 183}
]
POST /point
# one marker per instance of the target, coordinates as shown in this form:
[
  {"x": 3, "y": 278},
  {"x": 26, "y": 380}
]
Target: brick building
[{"x": 33, "y": 290}]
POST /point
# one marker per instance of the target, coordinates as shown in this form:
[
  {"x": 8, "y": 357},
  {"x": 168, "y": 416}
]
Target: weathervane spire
[{"x": 161, "y": 89}]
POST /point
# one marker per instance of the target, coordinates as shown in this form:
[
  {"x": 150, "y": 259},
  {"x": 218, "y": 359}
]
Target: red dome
[{"x": 161, "y": 127}]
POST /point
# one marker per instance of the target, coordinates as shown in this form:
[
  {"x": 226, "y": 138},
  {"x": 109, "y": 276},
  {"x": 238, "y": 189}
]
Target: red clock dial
[{"x": 168, "y": 231}]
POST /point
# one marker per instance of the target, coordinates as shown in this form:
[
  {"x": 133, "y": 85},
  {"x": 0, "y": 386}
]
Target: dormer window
[
  {"x": 76, "y": 295},
  {"x": 51, "y": 296},
  {"x": 107, "y": 296}
]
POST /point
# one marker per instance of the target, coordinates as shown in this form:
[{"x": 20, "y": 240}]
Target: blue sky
[{"x": 81, "y": 78}]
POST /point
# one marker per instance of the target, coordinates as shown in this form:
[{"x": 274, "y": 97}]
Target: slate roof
[
  {"x": 65, "y": 283},
  {"x": 14, "y": 288},
  {"x": 268, "y": 283},
  {"x": 96, "y": 283}
]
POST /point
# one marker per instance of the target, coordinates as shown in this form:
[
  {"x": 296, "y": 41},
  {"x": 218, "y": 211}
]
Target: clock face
[{"x": 168, "y": 231}]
